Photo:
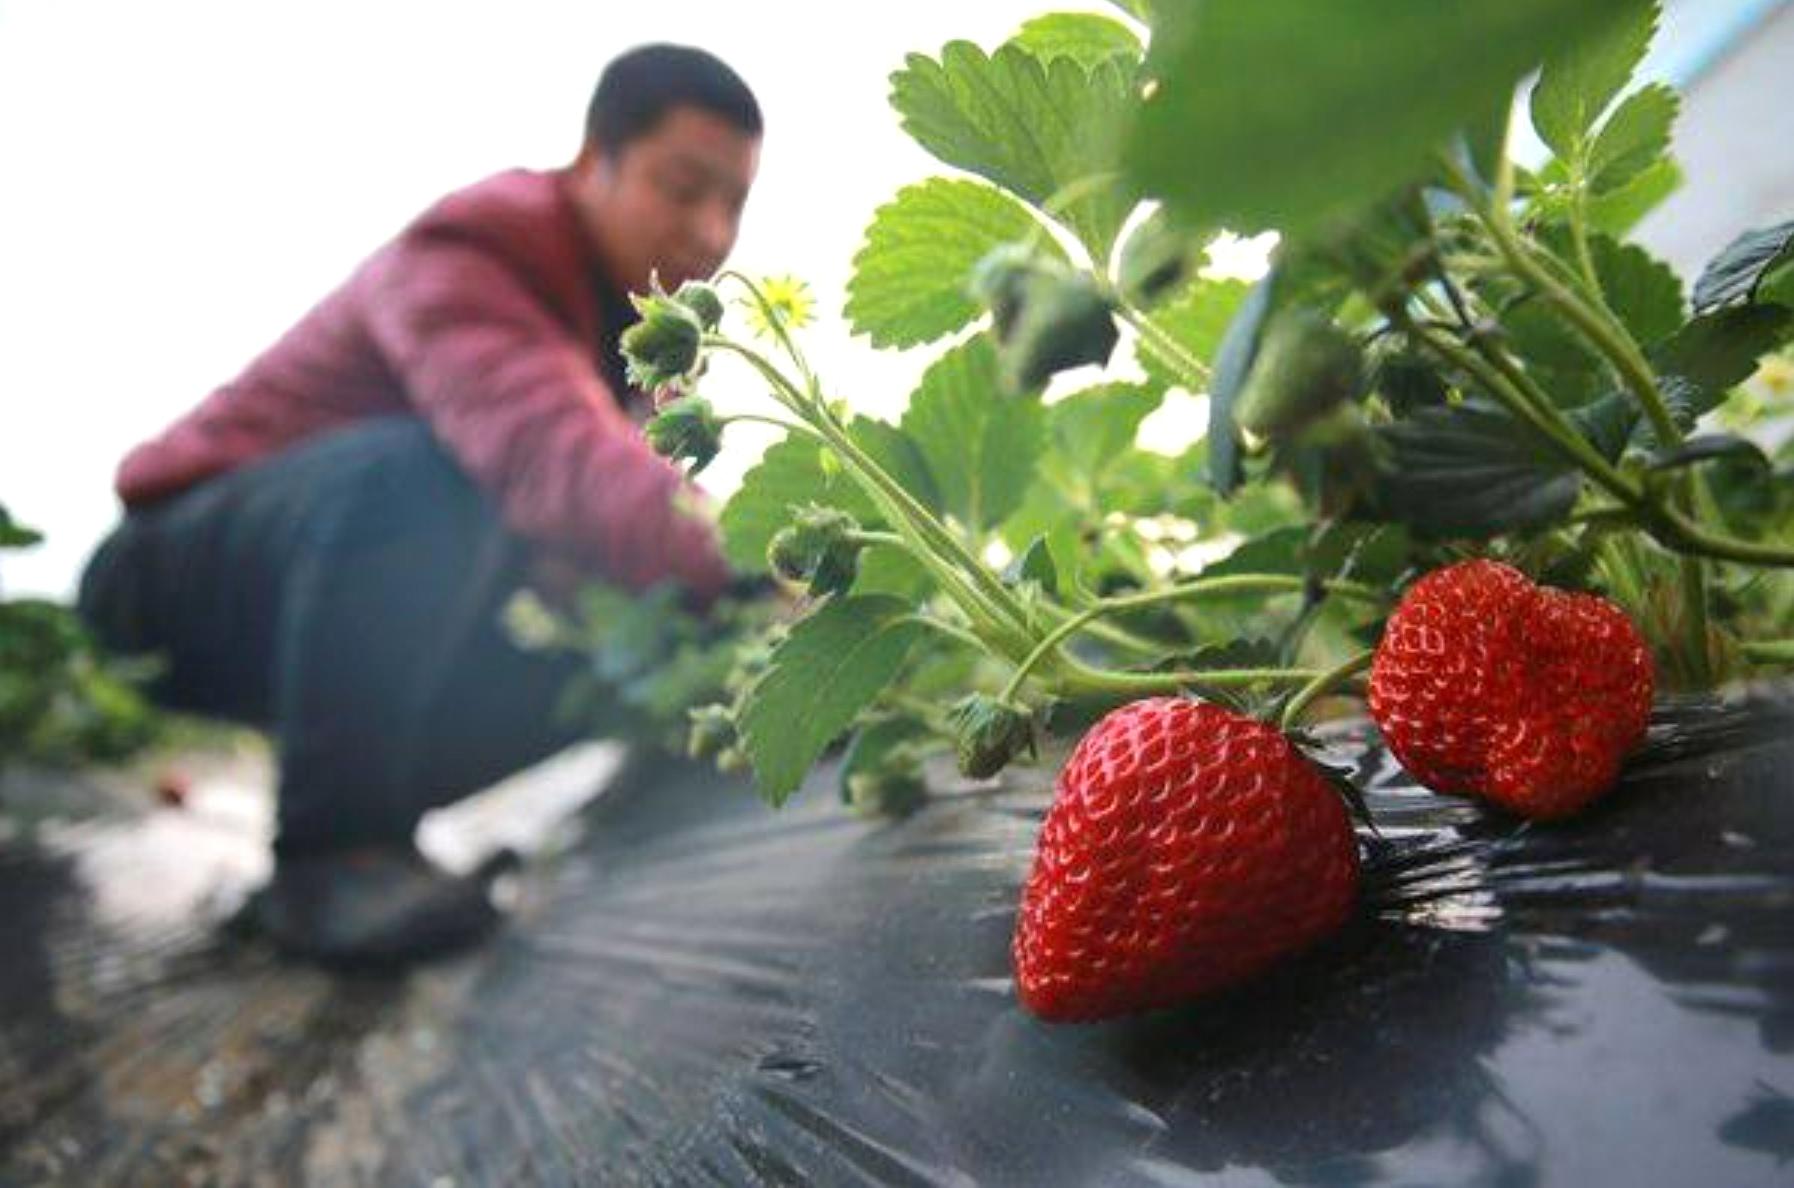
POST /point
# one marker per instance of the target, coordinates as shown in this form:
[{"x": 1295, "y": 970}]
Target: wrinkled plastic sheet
[{"x": 697, "y": 990}]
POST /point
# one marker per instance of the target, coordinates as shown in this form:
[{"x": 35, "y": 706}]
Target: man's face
[{"x": 670, "y": 200}]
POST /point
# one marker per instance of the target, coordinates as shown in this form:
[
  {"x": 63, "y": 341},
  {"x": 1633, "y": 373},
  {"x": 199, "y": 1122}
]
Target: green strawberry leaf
[
  {"x": 1196, "y": 319},
  {"x": 1377, "y": 555},
  {"x": 1036, "y": 565},
  {"x": 1618, "y": 211},
  {"x": 1580, "y": 79},
  {"x": 1736, "y": 275},
  {"x": 1036, "y": 128},
  {"x": 886, "y": 569},
  {"x": 900, "y": 456},
  {"x": 1634, "y": 139},
  {"x": 1715, "y": 352},
  {"x": 1608, "y": 423},
  {"x": 1405, "y": 379},
  {"x": 1085, "y": 37},
  {"x": 1470, "y": 471},
  {"x": 981, "y": 446},
  {"x": 830, "y": 666},
  {"x": 1708, "y": 447},
  {"x": 910, "y": 278},
  {"x": 14, "y": 535},
  {"x": 1644, "y": 293},
  {"x": 1090, "y": 429},
  {"x": 1564, "y": 365},
  {"x": 1279, "y": 551},
  {"x": 1372, "y": 89}
]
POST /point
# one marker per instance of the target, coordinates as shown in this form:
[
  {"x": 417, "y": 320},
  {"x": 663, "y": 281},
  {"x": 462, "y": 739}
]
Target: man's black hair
[{"x": 642, "y": 85}]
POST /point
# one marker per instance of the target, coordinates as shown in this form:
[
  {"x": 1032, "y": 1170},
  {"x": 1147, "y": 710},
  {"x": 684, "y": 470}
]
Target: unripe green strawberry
[
  {"x": 1306, "y": 366},
  {"x": 1187, "y": 848},
  {"x": 1046, "y": 316},
  {"x": 1487, "y": 684},
  {"x": 1157, "y": 258}
]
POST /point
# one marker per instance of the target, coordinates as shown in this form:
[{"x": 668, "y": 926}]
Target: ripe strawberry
[
  {"x": 1187, "y": 848},
  {"x": 1488, "y": 684}
]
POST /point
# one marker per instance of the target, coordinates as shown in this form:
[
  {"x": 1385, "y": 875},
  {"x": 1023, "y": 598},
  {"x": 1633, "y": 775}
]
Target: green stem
[
  {"x": 942, "y": 627},
  {"x": 1585, "y": 259},
  {"x": 1607, "y": 335},
  {"x": 775, "y": 422},
  {"x": 1669, "y": 525},
  {"x": 1694, "y": 597},
  {"x": 867, "y": 537},
  {"x": 958, "y": 572},
  {"x": 1241, "y": 583},
  {"x": 1322, "y": 685},
  {"x": 1604, "y": 513},
  {"x": 954, "y": 552},
  {"x": 1609, "y": 338},
  {"x": 1080, "y": 678},
  {"x": 783, "y": 390},
  {"x": 773, "y": 320},
  {"x": 1769, "y": 651},
  {"x": 1568, "y": 443},
  {"x": 1684, "y": 535}
]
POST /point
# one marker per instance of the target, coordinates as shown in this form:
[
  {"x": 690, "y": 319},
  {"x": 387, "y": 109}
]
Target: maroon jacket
[{"x": 485, "y": 317}]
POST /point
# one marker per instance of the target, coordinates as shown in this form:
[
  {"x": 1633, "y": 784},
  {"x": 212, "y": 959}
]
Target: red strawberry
[
  {"x": 1187, "y": 848},
  {"x": 1488, "y": 684}
]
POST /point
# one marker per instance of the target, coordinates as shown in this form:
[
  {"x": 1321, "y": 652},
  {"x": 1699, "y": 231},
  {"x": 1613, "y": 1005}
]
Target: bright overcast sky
[{"x": 184, "y": 179}]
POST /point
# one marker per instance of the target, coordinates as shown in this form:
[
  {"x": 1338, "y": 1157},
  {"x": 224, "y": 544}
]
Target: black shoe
[{"x": 368, "y": 907}]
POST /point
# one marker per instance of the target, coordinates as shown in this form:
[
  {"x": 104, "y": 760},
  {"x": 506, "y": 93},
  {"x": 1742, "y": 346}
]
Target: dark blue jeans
[{"x": 345, "y": 596}]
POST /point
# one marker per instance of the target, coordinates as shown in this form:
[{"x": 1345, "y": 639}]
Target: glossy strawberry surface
[
  {"x": 1187, "y": 847},
  {"x": 1487, "y": 684}
]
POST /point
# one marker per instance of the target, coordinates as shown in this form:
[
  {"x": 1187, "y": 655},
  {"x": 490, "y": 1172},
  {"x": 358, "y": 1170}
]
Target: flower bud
[
  {"x": 818, "y": 548},
  {"x": 712, "y": 731},
  {"x": 663, "y": 347},
  {"x": 894, "y": 788},
  {"x": 686, "y": 428},
  {"x": 703, "y": 302}
]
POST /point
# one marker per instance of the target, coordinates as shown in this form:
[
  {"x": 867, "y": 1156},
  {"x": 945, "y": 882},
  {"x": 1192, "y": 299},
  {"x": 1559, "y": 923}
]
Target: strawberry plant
[
  {"x": 1452, "y": 356},
  {"x": 60, "y": 700}
]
